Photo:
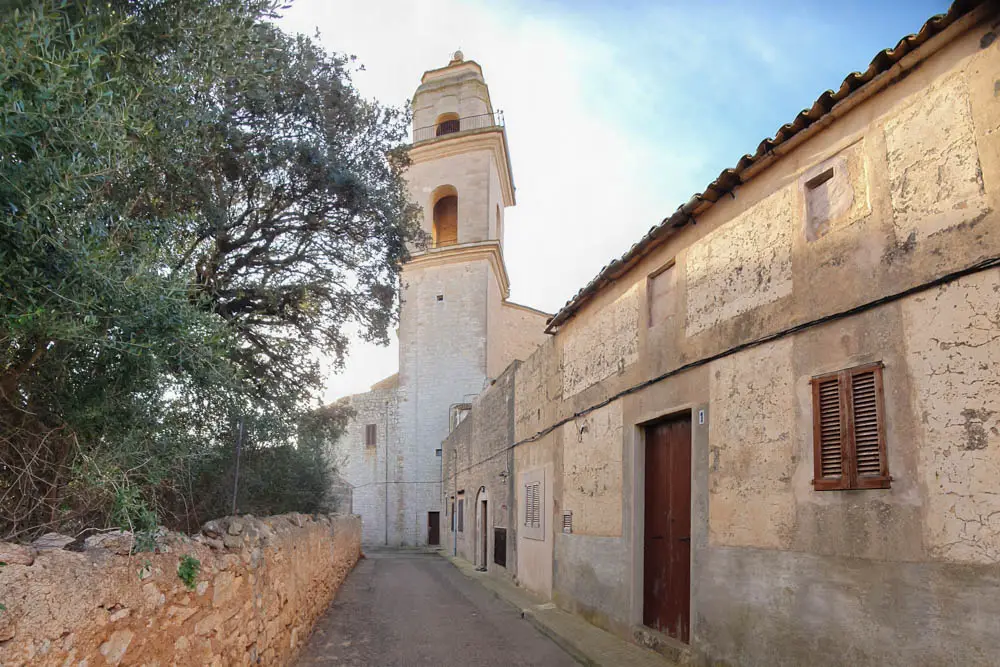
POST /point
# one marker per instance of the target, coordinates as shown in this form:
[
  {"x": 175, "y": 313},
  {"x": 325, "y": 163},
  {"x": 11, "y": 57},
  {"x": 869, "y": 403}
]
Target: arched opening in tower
[
  {"x": 448, "y": 123},
  {"x": 446, "y": 221}
]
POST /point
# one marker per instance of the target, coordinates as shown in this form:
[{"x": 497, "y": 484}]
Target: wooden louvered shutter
[
  {"x": 532, "y": 505},
  {"x": 869, "y": 467},
  {"x": 829, "y": 441},
  {"x": 849, "y": 430}
]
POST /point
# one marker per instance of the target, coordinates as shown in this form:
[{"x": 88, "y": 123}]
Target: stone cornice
[
  {"x": 465, "y": 252},
  {"x": 489, "y": 138}
]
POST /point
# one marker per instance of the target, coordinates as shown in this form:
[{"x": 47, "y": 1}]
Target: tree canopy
[{"x": 193, "y": 205}]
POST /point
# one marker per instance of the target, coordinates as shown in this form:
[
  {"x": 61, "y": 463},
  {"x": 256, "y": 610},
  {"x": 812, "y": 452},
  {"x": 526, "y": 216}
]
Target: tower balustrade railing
[{"x": 455, "y": 125}]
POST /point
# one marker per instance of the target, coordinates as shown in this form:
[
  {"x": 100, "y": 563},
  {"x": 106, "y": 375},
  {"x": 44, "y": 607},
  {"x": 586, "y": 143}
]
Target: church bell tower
[{"x": 452, "y": 290}]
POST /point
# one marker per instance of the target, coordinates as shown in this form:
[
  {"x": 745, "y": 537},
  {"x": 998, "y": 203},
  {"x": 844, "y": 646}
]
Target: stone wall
[
  {"x": 363, "y": 468},
  {"x": 478, "y": 464},
  {"x": 262, "y": 584}
]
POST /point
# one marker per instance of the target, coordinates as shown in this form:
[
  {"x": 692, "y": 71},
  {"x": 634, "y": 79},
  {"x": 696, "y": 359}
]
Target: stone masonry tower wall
[
  {"x": 459, "y": 151},
  {"x": 457, "y": 331}
]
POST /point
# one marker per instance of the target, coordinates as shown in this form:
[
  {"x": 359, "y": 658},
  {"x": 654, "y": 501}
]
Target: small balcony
[{"x": 456, "y": 125}]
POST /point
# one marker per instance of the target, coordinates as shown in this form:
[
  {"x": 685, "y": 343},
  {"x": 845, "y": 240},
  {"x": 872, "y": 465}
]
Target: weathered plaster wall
[
  {"x": 934, "y": 175},
  {"x": 538, "y": 387},
  {"x": 262, "y": 584},
  {"x": 953, "y": 351},
  {"x": 602, "y": 345},
  {"x": 592, "y": 471},
  {"x": 741, "y": 265},
  {"x": 786, "y": 609},
  {"x": 754, "y": 448},
  {"x": 591, "y": 577}
]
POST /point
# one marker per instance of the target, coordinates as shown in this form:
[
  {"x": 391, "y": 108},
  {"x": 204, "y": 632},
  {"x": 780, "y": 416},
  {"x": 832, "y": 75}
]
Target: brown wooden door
[
  {"x": 434, "y": 528},
  {"x": 667, "y": 542}
]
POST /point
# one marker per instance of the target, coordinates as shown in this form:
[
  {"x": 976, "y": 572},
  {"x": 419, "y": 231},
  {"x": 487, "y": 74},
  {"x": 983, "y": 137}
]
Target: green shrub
[{"x": 188, "y": 571}]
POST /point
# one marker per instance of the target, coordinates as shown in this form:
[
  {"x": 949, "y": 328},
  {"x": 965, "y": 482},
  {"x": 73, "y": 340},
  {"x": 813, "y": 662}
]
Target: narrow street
[{"x": 411, "y": 608}]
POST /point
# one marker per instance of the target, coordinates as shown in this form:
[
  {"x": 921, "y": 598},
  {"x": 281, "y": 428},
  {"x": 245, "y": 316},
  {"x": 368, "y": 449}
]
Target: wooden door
[
  {"x": 667, "y": 542},
  {"x": 484, "y": 536},
  {"x": 433, "y": 528}
]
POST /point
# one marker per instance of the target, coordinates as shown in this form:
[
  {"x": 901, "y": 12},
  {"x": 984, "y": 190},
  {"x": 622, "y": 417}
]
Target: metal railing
[{"x": 454, "y": 125}]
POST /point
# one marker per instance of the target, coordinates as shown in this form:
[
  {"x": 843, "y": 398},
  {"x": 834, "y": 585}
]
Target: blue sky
[{"x": 617, "y": 112}]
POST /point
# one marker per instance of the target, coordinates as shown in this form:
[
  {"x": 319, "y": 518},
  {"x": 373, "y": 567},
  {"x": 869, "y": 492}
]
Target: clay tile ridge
[{"x": 730, "y": 178}]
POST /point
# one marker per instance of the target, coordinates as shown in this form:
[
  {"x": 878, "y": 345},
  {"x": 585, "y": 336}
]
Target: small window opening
[
  {"x": 819, "y": 179},
  {"x": 659, "y": 291},
  {"x": 371, "y": 435},
  {"x": 437, "y": 452},
  {"x": 440, "y": 297}
]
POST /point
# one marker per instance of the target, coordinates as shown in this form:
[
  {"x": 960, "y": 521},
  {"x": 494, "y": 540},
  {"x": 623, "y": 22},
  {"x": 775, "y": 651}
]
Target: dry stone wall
[{"x": 260, "y": 586}]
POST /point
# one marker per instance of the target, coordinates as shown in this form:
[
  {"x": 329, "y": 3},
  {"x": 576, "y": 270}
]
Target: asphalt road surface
[{"x": 409, "y": 608}]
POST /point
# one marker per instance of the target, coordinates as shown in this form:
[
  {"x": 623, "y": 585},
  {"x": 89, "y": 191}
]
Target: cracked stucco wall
[
  {"x": 953, "y": 350},
  {"x": 753, "y": 448},
  {"x": 604, "y": 344},
  {"x": 742, "y": 265},
  {"x": 592, "y": 471},
  {"x": 934, "y": 173}
]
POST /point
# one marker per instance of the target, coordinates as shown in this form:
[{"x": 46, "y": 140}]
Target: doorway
[
  {"x": 482, "y": 528},
  {"x": 667, "y": 538},
  {"x": 484, "y": 538},
  {"x": 434, "y": 528}
]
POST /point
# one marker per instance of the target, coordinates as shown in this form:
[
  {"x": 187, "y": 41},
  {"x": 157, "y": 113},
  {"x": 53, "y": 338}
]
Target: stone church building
[{"x": 457, "y": 328}]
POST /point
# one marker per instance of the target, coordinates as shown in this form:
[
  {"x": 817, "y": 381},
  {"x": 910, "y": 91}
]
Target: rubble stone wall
[{"x": 260, "y": 586}]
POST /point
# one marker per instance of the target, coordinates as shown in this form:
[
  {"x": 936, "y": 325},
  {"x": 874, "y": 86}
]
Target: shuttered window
[
  {"x": 532, "y": 505},
  {"x": 371, "y": 435},
  {"x": 461, "y": 515},
  {"x": 849, "y": 430}
]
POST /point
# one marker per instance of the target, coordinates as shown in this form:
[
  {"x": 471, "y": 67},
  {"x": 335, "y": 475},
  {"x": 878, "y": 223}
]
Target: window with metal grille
[
  {"x": 371, "y": 435},
  {"x": 532, "y": 505},
  {"x": 849, "y": 447},
  {"x": 461, "y": 515}
]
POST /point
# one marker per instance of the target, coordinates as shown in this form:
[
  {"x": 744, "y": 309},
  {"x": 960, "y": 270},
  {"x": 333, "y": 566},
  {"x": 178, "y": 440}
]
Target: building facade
[
  {"x": 457, "y": 328},
  {"x": 770, "y": 433}
]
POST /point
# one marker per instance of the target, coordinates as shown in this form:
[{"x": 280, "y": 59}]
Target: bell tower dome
[{"x": 460, "y": 173}]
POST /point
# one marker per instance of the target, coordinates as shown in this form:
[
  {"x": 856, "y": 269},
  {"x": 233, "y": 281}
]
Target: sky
[{"x": 616, "y": 111}]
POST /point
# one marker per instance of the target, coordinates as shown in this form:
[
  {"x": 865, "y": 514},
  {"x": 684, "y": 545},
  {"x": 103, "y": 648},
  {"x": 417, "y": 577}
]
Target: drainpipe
[
  {"x": 454, "y": 533},
  {"x": 386, "y": 436}
]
